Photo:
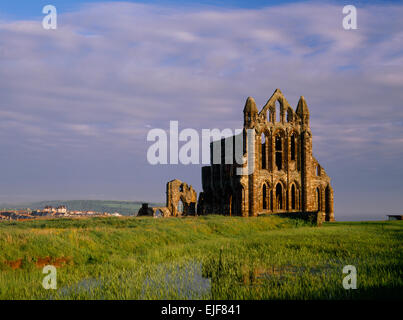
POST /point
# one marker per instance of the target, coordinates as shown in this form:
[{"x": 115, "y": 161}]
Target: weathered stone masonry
[
  {"x": 287, "y": 178},
  {"x": 181, "y": 200}
]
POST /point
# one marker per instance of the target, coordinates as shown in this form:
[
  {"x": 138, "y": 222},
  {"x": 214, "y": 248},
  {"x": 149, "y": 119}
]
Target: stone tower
[{"x": 286, "y": 176}]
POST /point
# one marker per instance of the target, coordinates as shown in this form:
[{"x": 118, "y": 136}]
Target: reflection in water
[
  {"x": 180, "y": 282},
  {"x": 84, "y": 287},
  {"x": 166, "y": 281}
]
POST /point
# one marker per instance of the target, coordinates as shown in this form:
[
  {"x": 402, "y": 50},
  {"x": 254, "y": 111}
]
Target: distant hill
[{"x": 123, "y": 207}]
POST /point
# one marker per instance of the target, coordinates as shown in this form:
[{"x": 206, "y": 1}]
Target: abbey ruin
[
  {"x": 181, "y": 199},
  {"x": 286, "y": 179}
]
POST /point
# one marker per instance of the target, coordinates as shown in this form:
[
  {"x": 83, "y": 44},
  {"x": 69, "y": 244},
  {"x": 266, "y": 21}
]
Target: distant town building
[
  {"x": 61, "y": 209},
  {"x": 49, "y": 211}
]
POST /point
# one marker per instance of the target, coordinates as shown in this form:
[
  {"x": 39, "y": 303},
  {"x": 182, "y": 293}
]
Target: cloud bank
[{"x": 77, "y": 102}]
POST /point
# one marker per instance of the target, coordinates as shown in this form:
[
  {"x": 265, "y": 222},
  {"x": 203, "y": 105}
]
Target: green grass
[{"x": 210, "y": 257}]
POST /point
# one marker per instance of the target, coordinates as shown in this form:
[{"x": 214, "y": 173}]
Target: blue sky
[
  {"x": 22, "y": 9},
  {"x": 77, "y": 102}
]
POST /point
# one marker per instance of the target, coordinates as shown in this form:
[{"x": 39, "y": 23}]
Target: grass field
[{"x": 210, "y": 257}]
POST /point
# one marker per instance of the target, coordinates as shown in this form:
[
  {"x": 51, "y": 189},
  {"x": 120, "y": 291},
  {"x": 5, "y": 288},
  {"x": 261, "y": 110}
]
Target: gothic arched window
[
  {"x": 293, "y": 147},
  {"x": 263, "y": 145},
  {"x": 279, "y": 151},
  {"x": 293, "y": 198},
  {"x": 278, "y": 111},
  {"x": 279, "y": 196}
]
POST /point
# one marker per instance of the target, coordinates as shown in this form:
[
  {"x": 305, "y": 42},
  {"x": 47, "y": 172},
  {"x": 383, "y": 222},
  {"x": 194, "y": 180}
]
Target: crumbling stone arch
[
  {"x": 294, "y": 196},
  {"x": 180, "y": 206},
  {"x": 263, "y": 151},
  {"x": 265, "y": 196},
  {"x": 269, "y": 107},
  {"x": 293, "y": 142},
  {"x": 178, "y": 191},
  {"x": 280, "y": 198},
  {"x": 318, "y": 197},
  {"x": 279, "y": 148},
  {"x": 278, "y": 111},
  {"x": 241, "y": 200},
  {"x": 272, "y": 115},
  {"x": 317, "y": 170},
  {"x": 290, "y": 115},
  {"x": 329, "y": 215}
]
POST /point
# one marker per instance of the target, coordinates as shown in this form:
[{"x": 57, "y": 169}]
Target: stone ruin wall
[
  {"x": 176, "y": 192},
  {"x": 287, "y": 178}
]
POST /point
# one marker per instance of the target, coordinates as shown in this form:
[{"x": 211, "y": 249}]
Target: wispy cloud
[{"x": 110, "y": 69}]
